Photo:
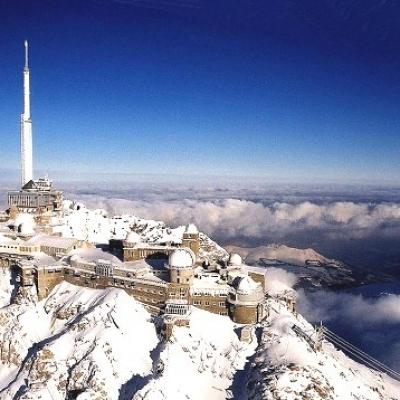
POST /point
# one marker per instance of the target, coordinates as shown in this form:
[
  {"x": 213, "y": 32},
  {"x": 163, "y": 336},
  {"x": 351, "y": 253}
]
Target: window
[
  {"x": 222, "y": 304},
  {"x": 196, "y": 302}
]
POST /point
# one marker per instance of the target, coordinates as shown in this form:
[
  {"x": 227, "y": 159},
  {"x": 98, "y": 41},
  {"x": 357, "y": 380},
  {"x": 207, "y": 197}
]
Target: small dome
[
  {"x": 26, "y": 229},
  {"x": 246, "y": 285},
  {"x": 25, "y": 224},
  {"x": 181, "y": 258},
  {"x": 74, "y": 258},
  {"x": 192, "y": 229},
  {"x": 133, "y": 237},
  {"x": 235, "y": 260}
]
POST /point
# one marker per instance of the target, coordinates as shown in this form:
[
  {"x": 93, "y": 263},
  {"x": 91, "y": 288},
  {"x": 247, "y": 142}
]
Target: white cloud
[
  {"x": 356, "y": 309},
  {"x": 278, "y": 280}
]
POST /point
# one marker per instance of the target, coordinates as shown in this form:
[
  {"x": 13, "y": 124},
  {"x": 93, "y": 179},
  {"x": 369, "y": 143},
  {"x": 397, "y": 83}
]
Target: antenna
[{"x": 26, "y": 54}]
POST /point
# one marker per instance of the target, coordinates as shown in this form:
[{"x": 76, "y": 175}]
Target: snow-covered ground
[
  {"x": 102, "y": 344},
  {"x": 97, "y": 227},
  {"x": 82, "y": 343},
  {"x": 286, "y": 367}
]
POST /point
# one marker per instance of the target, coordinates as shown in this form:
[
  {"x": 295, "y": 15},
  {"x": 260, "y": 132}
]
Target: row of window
[
  {"x": 209, "y": 293},
  {"x": 208, "y": 303},
  {"x": 147, "y": 290},
  {"x": 146, "y": 299},
  {"x": 50, "y": 271}
]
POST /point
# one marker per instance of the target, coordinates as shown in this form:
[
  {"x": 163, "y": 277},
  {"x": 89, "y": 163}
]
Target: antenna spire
[{"x": 26, "y": 54}]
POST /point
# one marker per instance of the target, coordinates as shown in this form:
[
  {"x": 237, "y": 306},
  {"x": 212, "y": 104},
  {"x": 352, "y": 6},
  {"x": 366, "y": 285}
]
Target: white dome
[
  {"x": 26, "y": 229},
  {"x": 235, "y": 260},
  {"x": 25, "y": 224},
  {"x": 247, "y": 285},
  {"x": 192, "y": 229},
  {"x": 133, "y": 237},
  {"x": 181, "y": 258}
]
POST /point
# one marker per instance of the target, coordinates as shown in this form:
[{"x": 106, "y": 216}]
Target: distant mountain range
[{"x": 311, "y": 268}]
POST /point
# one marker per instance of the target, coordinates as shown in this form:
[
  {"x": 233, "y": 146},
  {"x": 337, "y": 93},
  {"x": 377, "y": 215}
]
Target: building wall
[
  {"x": 47, "y": 279},
  {"x": 181, "y": 275},
  {"x": 192, "y": 241},
  {"x": 243, "y": 314},
  {"x": 35, "y": 201},
  {"x": 139, "y": 253},
  {"x": 214, "y": 304},
  {"x": 154, "y": 294},
  {"x": 145, "y": 291},
  {"x": 258, "y": 277}
]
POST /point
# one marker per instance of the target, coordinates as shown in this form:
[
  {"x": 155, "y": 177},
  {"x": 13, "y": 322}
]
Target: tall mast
[
  {"x": 26, "y": 54},
  {"x": 26, "y": 127}
]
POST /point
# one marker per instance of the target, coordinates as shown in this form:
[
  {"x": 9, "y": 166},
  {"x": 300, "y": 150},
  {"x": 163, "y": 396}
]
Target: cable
[
  {"x": 359, "y": 354},
  {"x": 360, "y": 351}
]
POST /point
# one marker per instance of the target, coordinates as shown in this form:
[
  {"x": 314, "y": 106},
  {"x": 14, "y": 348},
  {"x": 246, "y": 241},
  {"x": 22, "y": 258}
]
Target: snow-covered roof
[
  {"x": 246, "y": 285},
  {"x": 235, "y": 260},
  {"x": 5, "y": 241},
  {"x": 25, "y": 224},
  {"x": 133, "y": 237},
  {"x": 53, "y": 241},
  {"x": 181, "y": 258},
  {"x": 209, "y": 282},
  {"x": 192, "y": 229},
  {"x": 94, "y": 255}
]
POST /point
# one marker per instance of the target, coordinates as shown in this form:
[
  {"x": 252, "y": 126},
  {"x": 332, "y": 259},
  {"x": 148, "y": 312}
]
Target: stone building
[
  {"x": 164, "y": 286},
  {"x": 132, "y": 248},
  {"x": 53, "y": 246},
  {"x": 181, "y": 263},
  {"x": 245, "y": 300},
  {"x": 191, "y": 239}
]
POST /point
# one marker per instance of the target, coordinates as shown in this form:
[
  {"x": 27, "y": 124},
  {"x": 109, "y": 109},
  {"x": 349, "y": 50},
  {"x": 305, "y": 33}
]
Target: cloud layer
[
  {"x": 372, "y": 323},
  {"x": 234, "y": 218}
]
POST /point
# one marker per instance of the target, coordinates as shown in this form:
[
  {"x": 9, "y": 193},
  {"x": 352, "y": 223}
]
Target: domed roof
[
  {"x": 235, "y": 260},
  {"x": 191, "y": 229},
  {"x": 25, "y": 224},
  {"x": 246, "y": 285},
  {"x": 181, "y": 258},
  {"x": 133, "y": 237}
]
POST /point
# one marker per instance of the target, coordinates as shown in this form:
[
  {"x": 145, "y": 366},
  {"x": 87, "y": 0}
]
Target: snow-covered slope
[
  {"x": 5, "y": 287},
  {"x": 77, "y": 340},
  {"x": 201, "y": 362},
  {"x": 83, "y": 344},
  {"x": 286, "y": 367}
]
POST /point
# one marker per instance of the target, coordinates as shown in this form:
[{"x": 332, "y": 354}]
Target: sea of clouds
[{"x": 359, "y": 225}]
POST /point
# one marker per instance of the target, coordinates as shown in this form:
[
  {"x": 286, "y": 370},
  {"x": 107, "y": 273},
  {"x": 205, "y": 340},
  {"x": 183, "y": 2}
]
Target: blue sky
[{"x": 285, "y": 91}]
